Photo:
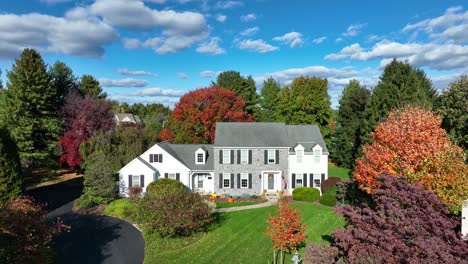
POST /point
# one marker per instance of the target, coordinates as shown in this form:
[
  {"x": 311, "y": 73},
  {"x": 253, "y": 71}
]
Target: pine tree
[
  {"x": 346, "y": 140},
  {"x": 241, "y": 86},
  {"x": 90, "y": 86},
  {"x": 63, "y": 80},
  {"x": 27, "y": 108},
  {"x": 268, "y": 100},
  {"x": 11, "y": 180}
]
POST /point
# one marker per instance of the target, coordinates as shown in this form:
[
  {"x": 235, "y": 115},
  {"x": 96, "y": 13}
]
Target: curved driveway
[{"x": 92, "y": 238}]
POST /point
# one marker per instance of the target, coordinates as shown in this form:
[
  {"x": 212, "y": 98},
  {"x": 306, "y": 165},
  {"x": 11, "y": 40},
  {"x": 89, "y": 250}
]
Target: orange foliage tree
[
  {"x": 285, "y": 230},
  {"x": 166, "y": 135},
  {"x": 411, "y": 142}
]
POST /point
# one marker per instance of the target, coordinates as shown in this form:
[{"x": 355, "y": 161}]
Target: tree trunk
[
  {"x": 274, "y": 256},
  {"x": 281, "y": 257}
]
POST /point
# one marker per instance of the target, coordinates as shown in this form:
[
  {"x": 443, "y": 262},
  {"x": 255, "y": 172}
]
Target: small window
[
  {"x": 271, "y": 156},
  {"x": 155, "y": 158},
  {"x": 226, "y": 156},
  {"x": 136, "y": 181},
  {"x": 244, "y": 180},
  {"x": 299, "y": 180},
  {"x": 171, "y": 176},
  {"x": 299, "y": 153},
  {"x": 226, "y": 180},
  {"x": 317, "y": 154},
  {"x": 244, "y": 156},
  {"x": 200, "y": 158},
  {"x": 316, "y": 180},
  {"x": 200, "y": 182}
]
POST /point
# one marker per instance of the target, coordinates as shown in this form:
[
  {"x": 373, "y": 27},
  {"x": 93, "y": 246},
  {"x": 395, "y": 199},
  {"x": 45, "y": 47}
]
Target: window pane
[
  {"x": 200, "y": 182},
  {"x": 317, "y": 154},
  {"x": 244, "y": 156},
  {"x": 244, "y": 180},
  {"x": 172, "y": 176},
  {"x": 227, "y": 180},
  {"x": 226, "y": 156},
  {"x": 271, "y": 156},
  {"x": 200, "y": 158},
  {"x": 299, "y": 155},
  {"x": 317, "y": 183},
  {"x": 298, "y": 182},
  {"x": 136, "y": 181}
]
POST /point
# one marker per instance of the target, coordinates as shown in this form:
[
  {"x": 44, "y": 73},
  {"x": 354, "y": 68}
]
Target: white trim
[
  {"x": 244, "y": 176},
  {"x": 163, "y": 151},
  {"x": 224, "y": 156},
  {"x": 246, "y": 156},
  {"x": 262, "y": 180},
  {"x": 133, "y": 180},
  {"x": 274, "y": 156},
  {"x": 240, "y": 147},
  {"x": 228, "y": 178},
  {"x": 301, "y": 178},
  {"x": 196, "y": 158}
]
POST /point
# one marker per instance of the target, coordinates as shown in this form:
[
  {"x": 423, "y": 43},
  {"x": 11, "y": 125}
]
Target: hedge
[
  {"x": 165, "y": 187},
  {"x": 308, "y": 194},
  {"x": 328, "y": 199}
]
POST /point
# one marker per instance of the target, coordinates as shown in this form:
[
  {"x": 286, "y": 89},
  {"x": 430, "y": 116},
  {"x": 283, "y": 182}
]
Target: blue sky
[{"x": 156, "y": 50}]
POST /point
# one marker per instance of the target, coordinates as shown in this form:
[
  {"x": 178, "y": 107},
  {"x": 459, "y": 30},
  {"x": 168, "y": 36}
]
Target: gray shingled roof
[
  {"x": 132, "y": 117},
  {"x": 307, "y": 135},
  {"x": 185, "y": 153}
]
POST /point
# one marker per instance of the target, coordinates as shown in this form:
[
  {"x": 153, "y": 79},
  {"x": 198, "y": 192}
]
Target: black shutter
[
  {"x": 129, "y": 180},
  {"x": 151, "y": 158},
  {"x": 277, "y": 156},
  {"x": 220, "y": 180},
  {"x": 250, "y": 180},
  {"x": 305, "y": 179},
  {"x": 160, "y": 158},
  {"x": 238, "y": 156},
  {"x": 293, "y": 184},
  {"x": 142, "y": 181},
  {"x": 323, "y": 176},
  {"x": 265, "y": 156},
  {"x": 232, "y": 179},
  {"x": 232, "y": 156},
  {"x": 166, "y": 175},
  {"x": 311, "y": 178},
  {"x": 220, "y": 156},
  {"x": 177, "y": 176},
  {"x": 250, "y": 156},
  {"x": 238, "y": 181}
]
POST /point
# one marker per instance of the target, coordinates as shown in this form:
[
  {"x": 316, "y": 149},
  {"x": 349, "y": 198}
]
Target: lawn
[
  {"x": 239, "y": 237},
  {"x": 339, "y": 172},
  {"x": 235, "y": 204}
]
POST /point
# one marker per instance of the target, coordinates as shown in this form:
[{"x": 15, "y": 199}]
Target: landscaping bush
[
  {"x": 122, "y": 208},
  {"x": 330, "y": 183},
  {"x": 328, "y": 199},
  {"x": 134, "y": 192},
  {"x": 84, "y": 202},
  {"x": 308, "y": 194},
  {"x": 175, "y": 214},
  {"x": 165, "y": 187}
]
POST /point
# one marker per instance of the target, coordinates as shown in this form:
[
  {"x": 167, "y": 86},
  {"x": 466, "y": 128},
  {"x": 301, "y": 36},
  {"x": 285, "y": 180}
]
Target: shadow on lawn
[{"x": 218, "y": 220}]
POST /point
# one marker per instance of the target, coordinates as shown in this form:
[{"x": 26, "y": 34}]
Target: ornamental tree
[
  {"x": 285, "y": 230},
  {"x": 408, "y": 224},
  {"x": 411, "y": 142},
  {"x": 194, "y": 117},
  {"x": 166, "y": 135}
]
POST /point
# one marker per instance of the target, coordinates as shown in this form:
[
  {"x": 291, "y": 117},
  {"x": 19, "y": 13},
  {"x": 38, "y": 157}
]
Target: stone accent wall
[{"x": 255, "y": 169}]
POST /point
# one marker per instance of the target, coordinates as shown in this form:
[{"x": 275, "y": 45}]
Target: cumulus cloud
[
  {"x": 435, "y": 56},
  {"x": 211, "y": 47},
  {"x": 127, "y": 82},
  {"x": 208, "y": 74},
  {"x": 182, "y": 75},
  {"x": 221, "y": 18},
  {"x": 249, "y": 31},
  {"x": 125, "y": 71},
  {"x": 159, "y": 92},
  {"x": 293, "y": 39},
  {"x": 248, "y": 17},
  {"x": 80, "y": 36},
  {"x": 258, "y": 45},
  {"x": 338, "y": 40},
  {"x": 133, "y": 99},
  {"x": 442, "y": 82},
  {"x": 319, "y": 40},
  {"x": 354, "y": 29},
  {"x": 228, "y": 4}
]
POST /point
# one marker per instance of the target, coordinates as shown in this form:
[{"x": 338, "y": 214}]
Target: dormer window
[
  {"x": 200, "y": 156},
  {"x": 299, "y": 153},
  {"x": 317, "y": 154}
]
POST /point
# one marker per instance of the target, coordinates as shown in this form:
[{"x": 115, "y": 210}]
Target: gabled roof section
[
  {"x": 185, "y": 153},
  {"x": 252, "y": 134},
  {"x": 307, "y": 135},
  {"x": 123, "y": 117}
]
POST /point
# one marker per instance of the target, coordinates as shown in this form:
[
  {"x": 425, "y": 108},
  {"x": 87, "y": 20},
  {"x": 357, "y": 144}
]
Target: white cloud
[
  {"x": 228, "y": 4},
  {"x": 127, "y": 82},
  {"x": 131, "y": 43},
  {"x": 249, "y": 31},
  {"x": 211, "y": 47},
  {"x": 293, "y": 39},
  {"x": 319, "y": 40},
  {"x": 173, "y": 44},
  {"x": 338, "y": 40},
  {"x": 258, "y": 45},
  {"x": 221, "y": 18},
  {"x": 435, "y": 56},
  {"x": 248, "y": 17},
  {"x": 442, "y": 82},
  {"x": 354, "y": 29},
  {"x": 54, "y": 1},
  {"x": 159, "y": 92},
  {"x": 125, "y": 71},
  {"x": 182, "y": 75},
  {"x": 208, "y": 74},
  {"x": 80, "y": 36},
  {"x": 169, "y": 101}
]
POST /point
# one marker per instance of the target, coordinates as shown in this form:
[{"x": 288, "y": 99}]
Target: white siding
[{"x": 308, "y": 164}]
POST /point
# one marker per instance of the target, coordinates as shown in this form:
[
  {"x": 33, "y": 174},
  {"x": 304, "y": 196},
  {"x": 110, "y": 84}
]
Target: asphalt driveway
[{"x": 92, "y": 238}]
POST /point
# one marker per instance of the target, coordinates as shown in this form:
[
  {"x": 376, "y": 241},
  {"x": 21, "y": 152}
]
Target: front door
[{"x": 271, "y": 181}]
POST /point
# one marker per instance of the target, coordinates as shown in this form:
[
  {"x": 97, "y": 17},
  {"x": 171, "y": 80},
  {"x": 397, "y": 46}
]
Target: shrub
[
  {"x": 165, "y": 187},
  {"x": 328, "y": 199},
  {"x": 308, "y": 194},
  {"x": 174, "y": 214},
  {"x": 122, "y": 208},
  {"x": 11, "y": 179},
  {"x": 330, "y": 183},
  {"x": 84, "y": 202},
  {"x": 134, "y": 192}
]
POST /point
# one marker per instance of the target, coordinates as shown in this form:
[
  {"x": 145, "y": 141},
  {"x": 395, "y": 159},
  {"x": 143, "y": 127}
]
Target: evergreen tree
[
  {"x": 11, "y": 180},
  {"x": 241, "y": 86},
  {"x": 27, "y": 108},
  {"x": 306, "y": 101},
  {"x": 399, "y": 85},
  {"x": 90, "y": 86},
  {"x": 269, "y": 100},
  {"x": 63, "y": 80},
  {"x": 346, "y": 140}
]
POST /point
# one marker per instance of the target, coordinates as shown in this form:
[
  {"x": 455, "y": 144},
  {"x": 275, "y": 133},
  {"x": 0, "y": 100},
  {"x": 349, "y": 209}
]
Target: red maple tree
[
  {"x": 82, "y": 117},
  {"x": 194, "y": 117},
  {"x": 166, "y": 135}
]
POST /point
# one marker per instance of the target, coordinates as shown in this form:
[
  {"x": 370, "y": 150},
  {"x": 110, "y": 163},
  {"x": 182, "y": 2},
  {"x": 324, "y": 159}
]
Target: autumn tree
[
  {"x": 306, "y": 101},
  {"x": 27, "y": 109},
  {"x": 406, "y": 224},
  {"x": 89, "y": 86},
  {"x": 285, "y": 230},
  {"x": 268, "y": 100},
  {"x": 194, "y": 117},
  {"x": 11, "y": 177},
  {"x": 453, "y": 107},
  {"x": 82, "y": 117},
  {"x": 166, "y": 135},
  {"x": 411, "y": 142},
  {"x": 346, "y": 140},
  {"x": 399, "y": 85},
  {"x": 241, "y": 86}
]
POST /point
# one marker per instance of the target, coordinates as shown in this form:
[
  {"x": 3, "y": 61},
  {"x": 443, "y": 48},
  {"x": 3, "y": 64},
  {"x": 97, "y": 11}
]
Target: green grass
[
  {"x": 239, "y": 237},
  {"x": 121, "y": 208},
  {"x": 235, "y": 204},
  {"x": 339, "y": 172}
]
